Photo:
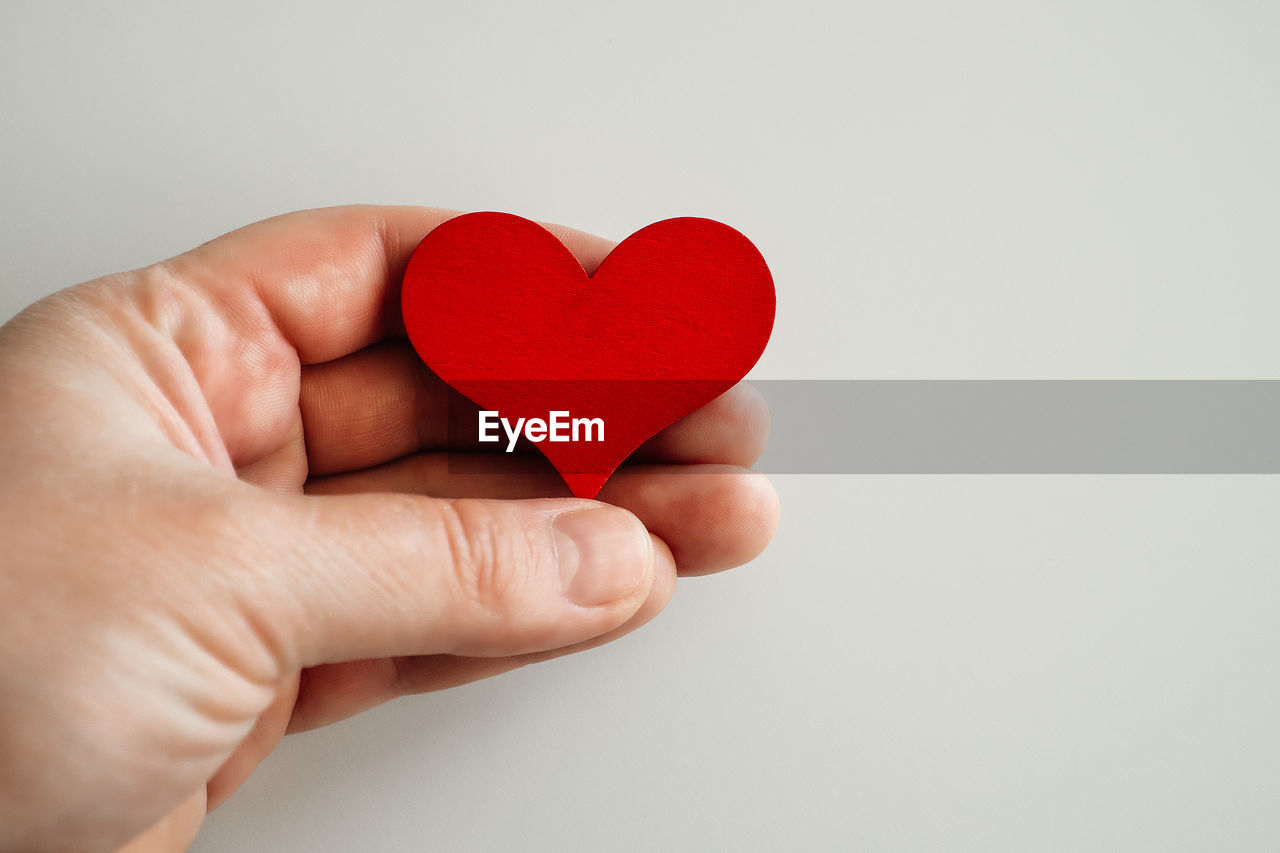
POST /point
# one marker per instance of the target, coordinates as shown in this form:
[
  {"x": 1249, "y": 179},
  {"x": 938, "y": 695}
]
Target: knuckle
[{"x": 489, "y": 561}]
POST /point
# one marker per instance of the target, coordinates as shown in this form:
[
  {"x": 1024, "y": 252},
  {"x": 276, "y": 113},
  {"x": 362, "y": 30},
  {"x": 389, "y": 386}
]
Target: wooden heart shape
[{"x": 676, "y": 314}]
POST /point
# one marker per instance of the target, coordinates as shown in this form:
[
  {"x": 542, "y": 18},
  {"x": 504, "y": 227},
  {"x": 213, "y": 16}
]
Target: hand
[{"x": 213, "y": 507}]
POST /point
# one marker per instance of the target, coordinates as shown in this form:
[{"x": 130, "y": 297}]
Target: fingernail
[{"x": 604, "y": 554}]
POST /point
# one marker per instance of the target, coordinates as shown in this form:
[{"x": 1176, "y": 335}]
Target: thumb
[{"x": 350, "y": 577}]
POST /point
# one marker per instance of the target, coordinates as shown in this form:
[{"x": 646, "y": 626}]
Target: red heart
[{"x": 675, "y": 315}]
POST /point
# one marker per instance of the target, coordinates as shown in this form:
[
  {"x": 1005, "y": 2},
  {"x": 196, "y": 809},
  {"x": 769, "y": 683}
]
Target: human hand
[{"x": 213, "y": 504}]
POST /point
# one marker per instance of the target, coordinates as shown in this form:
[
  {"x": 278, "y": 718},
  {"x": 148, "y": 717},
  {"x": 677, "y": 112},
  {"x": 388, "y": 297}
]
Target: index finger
[{"x": 329, "y": 278}]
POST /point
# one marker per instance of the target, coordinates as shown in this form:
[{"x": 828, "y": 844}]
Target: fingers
[
  {"x": 713, "y": 517},
  {"x": 336, "y": 691},
  {"x": 730, "y": 430},
  {"x": 262, "y": 739},
  {"x": 383, "y": 403},
  {"x": 175, "y": 831},
  {"x": 376, "y": 405},
  {"x": 381, "y": 575},
  {"x": 329, "y": 278}
]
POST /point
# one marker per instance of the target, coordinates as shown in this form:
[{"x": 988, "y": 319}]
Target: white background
[{"x": 943, "y": 190}]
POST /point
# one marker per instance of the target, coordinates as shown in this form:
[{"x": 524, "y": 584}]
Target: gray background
[{"x": 943, "y": 190}]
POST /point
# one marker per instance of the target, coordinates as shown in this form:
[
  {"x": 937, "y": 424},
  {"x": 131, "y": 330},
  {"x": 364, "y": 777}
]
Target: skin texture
[{"x": 227, "y": 515}]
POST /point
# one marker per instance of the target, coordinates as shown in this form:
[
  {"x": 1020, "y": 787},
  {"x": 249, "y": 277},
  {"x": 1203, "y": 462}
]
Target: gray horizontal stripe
[{"x": 1023, "y": 427}]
